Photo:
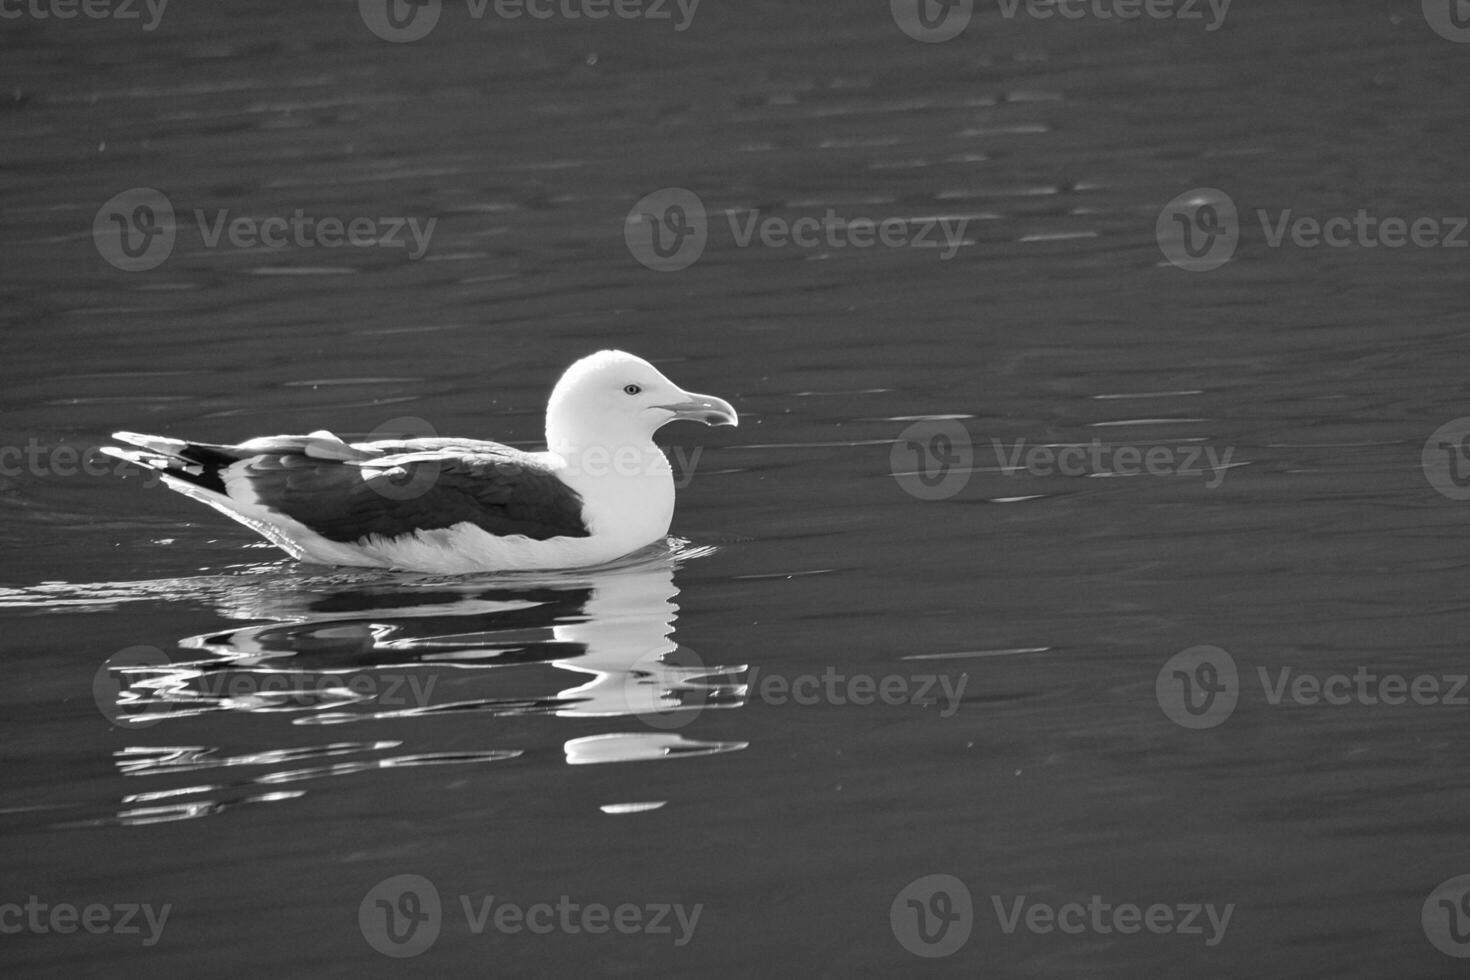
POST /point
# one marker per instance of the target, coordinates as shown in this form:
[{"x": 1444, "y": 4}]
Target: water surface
[{"x": 612, "y": 736}]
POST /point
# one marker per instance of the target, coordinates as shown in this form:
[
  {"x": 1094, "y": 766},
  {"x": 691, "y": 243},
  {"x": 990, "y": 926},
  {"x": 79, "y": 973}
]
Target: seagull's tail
[
  {"x": 201, "y": 470},
  {"x": 192, "y": 462}
]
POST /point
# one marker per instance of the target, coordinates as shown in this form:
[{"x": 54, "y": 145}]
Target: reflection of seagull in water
[
  {"x": 617, "y": 622},
  {"x": 601, "y": 490},
  {"x": 627, "y": 634}
]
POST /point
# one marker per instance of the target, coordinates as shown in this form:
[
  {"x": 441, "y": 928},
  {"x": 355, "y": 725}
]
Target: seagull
[{"x": 601, "y": 490}]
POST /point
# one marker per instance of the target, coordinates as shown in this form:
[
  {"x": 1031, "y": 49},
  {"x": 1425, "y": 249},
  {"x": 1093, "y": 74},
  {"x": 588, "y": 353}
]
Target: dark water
[{"x": 305, "y": 734}]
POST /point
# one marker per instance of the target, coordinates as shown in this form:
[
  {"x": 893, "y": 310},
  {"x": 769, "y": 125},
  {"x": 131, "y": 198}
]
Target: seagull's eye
[{"x": 632, "y": 389}]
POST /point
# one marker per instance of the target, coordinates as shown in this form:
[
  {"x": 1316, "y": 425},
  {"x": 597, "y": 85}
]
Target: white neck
[{"x": 625, "y": 481}]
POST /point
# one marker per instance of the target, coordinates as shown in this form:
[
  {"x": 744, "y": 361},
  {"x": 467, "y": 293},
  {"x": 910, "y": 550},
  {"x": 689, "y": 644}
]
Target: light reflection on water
[{"x": 381, "y": 648}]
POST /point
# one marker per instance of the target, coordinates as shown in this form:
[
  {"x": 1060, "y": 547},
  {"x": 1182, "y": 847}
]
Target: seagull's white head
[{"x": 613, "y": 398}]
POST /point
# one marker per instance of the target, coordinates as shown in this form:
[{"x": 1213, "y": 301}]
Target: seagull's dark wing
[
  {"x": 417, "y": 485},
  {"x": 348, "y": 492}
]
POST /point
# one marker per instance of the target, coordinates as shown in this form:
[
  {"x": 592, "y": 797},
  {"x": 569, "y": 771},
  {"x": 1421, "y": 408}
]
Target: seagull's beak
[{"x": 703, "y": 408}]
